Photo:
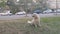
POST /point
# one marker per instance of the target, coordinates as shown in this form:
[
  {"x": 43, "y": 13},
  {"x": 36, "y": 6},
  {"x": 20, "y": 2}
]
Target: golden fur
[{"x": 36, "y": 20}]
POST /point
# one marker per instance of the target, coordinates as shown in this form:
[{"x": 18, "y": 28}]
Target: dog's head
[{"x": 35, "y": 16}]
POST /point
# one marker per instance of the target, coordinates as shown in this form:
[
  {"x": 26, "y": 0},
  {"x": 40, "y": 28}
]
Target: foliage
[
  {"x": 40, "y": 4},
  {"x": 15, "y": 6},
  {"x": 2, "y": 3},
  {"x": 14, "y": 9}
]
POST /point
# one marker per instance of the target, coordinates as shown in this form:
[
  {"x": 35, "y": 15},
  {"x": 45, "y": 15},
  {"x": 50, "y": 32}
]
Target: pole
[{"x": 56, "y": 7}]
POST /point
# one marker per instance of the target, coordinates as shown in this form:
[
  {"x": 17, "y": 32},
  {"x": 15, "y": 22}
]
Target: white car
[
  {"x": 47, "y": 11},
  {"x": 6, "y": 13},
  {"x": 58, "y": 11},
  {"x": 21, "y": 13}
]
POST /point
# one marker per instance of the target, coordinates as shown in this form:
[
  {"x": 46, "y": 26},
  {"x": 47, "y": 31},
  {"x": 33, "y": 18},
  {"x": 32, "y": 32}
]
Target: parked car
[
  {"x": 48, "y": 11},
  {"x": 6, "y": 13},
  {"x": 37, "y": 11},
  {"x": 58, "y": 11},
  {"x": 21, "y": 13}
]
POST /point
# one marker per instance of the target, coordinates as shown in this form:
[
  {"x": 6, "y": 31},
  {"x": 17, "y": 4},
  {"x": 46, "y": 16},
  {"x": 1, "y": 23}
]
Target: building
[{"x": 53, "y": 4}]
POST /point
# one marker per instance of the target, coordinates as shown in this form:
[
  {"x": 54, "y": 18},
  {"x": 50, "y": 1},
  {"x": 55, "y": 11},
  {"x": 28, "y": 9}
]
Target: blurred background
[
  {"x": 30, "y": 6},
  {"x": 13, "y": 20}
]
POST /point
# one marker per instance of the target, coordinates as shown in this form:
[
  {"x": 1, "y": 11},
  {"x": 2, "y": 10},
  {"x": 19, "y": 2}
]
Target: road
[{"x": 29, "y": 15}]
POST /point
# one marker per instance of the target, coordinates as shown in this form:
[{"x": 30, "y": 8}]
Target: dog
[{"x": 35, "y": 20}]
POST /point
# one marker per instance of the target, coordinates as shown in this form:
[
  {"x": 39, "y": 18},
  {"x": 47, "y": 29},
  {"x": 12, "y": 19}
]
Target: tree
[
  {"x": 13, "y": 7},
  {"x": 2, "y": 3}
]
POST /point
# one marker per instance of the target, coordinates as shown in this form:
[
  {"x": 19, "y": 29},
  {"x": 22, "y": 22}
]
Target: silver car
[{"x": 47, "y": 11}]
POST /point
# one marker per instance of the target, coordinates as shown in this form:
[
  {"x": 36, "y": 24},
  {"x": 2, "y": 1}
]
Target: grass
[{"x": 20, "y": 26}]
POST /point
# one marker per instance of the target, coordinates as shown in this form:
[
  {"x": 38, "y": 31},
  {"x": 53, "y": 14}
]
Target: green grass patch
[
  {"x": 50, "y": 25},
  {"x": 50, "y": 19}
]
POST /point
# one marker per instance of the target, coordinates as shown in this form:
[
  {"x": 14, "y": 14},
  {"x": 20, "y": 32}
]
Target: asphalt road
[{"x": 29, "y": 15}]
